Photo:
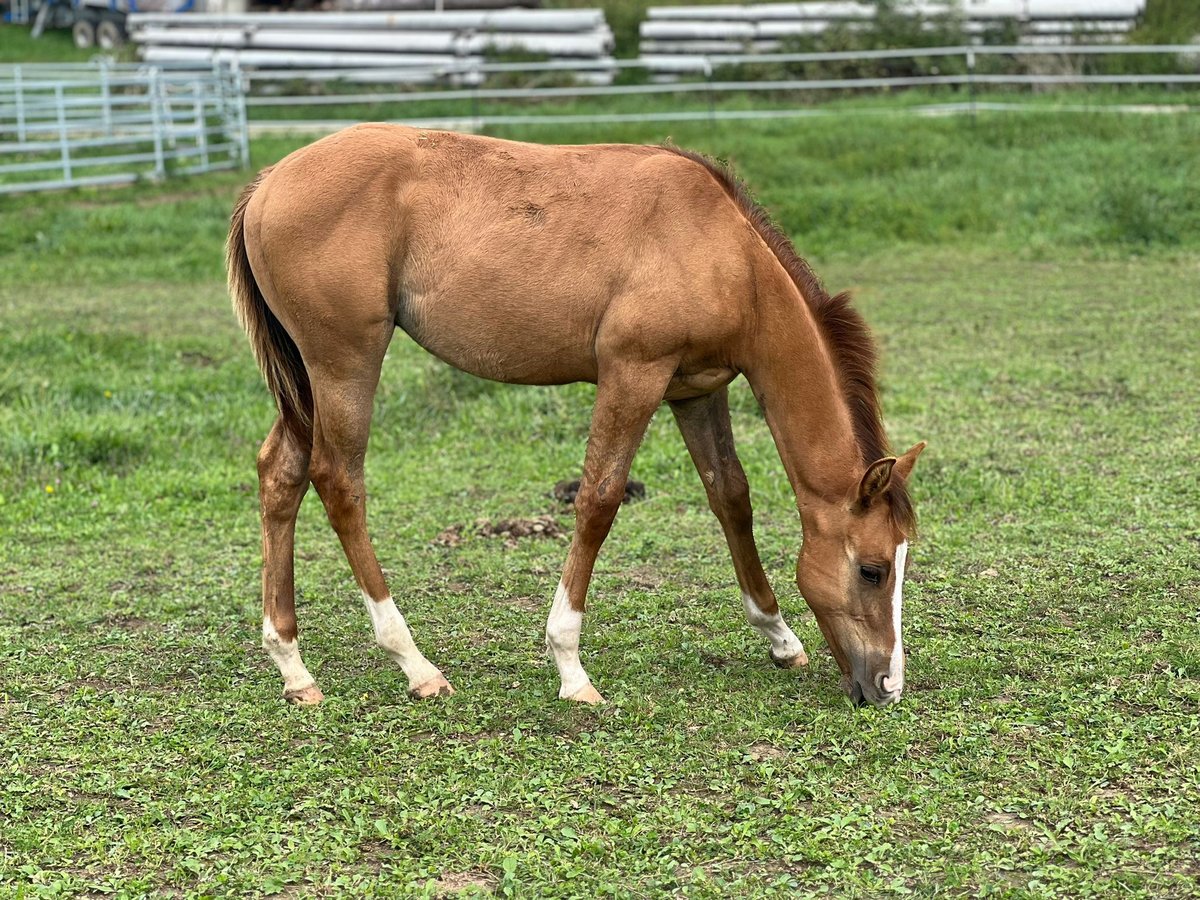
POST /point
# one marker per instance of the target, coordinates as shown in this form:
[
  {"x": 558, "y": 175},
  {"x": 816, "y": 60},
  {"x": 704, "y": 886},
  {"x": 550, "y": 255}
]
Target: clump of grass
[{"x": 1140, "y": 215}]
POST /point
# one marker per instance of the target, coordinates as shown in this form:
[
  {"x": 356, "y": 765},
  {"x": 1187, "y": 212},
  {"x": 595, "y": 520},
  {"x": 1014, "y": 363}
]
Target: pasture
[{"x": 1033, "y": 281}]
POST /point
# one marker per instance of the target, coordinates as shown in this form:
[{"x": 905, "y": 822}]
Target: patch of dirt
[
  {"x": 529, "y": 604},
  {"x": 761, "y": 751},
  {"x": 125, "y": 622},
  {"x": 374, "y": 853},
  {"x": 1007, "y": 821},
  {"x": 450, "y": 884},
  {"x": 646, "y": 578},
  {"x": 513, "y": 530},
  {"x": 712, "y": 659},
  {"x": 450, "y": 537},
  {"x": 68, "y": 691}
]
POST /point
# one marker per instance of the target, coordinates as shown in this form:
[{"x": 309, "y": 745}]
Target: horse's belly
[{"x": 519, "y": 340}]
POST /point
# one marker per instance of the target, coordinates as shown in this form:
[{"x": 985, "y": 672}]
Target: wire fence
[{"x": 74, "y": 125}]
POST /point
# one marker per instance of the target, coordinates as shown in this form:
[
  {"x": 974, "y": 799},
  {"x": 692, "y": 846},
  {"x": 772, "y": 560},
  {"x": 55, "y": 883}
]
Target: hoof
[
  {"x": 305, "y": 696},
  {"x": 793, "y": 662},
  {"x": 586, "y": 694},
  {"x": 437, "y": 686}
]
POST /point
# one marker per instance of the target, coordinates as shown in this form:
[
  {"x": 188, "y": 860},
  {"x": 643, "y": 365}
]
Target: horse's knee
[{"x": 596, "y": 505}]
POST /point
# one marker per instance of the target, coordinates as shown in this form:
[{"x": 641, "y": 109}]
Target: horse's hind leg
[
  {"x": 344, "y": 377},
  {"x": 626, "y": 397},
  {"x": 283, "y": 481},
  {"x": 704, "y": 423}
]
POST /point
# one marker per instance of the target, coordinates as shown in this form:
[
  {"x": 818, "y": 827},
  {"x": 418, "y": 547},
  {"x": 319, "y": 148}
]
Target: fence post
[
  {"x": 106, "y": 95},
  {"x": 242, "y": 86},
  {"x": 160, "y": 166},
  {"x": 64, "y": 142},
  {"x": 971, "y": 83},
  {"x": 712, "y": 103},
  {"x": 201, "y": 122},
  {"x": 476, "y": 78},
  {"x": 20, "y": 89}
]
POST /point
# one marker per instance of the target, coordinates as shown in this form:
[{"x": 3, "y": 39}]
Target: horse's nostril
[{"x": 886, "y": 685}]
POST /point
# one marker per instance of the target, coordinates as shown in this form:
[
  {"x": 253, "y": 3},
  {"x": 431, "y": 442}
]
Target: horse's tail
[{"x": 276, "y": 352}]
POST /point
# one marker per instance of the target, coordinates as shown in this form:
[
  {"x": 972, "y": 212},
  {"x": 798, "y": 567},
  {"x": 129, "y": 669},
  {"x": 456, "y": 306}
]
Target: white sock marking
[
  {"x": 784, "y": 643},
  {"x": 392, "y": 634},
  {"x": 286, "y": 656},
  {"x": 894, "y": 680},
  {"x": 562, "y": 637}
]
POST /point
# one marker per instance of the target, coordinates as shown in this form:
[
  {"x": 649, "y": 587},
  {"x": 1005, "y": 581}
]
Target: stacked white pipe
[
  {"x": 679, "y": 38},
  {"x": 404, "y": 47}
]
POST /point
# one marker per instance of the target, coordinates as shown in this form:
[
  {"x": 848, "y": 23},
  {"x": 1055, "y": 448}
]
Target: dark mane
[{"x": 844, "y": 331}]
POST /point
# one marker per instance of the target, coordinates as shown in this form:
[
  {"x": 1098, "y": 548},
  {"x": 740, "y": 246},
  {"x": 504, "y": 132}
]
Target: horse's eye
[{"x": 871, "y": 574}]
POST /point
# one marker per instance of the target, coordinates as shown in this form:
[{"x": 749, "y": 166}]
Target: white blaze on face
[
  {"x": 894, "y": 680},
  {"x": 562, "y": 637},
  {"x": 392, "y": 634}
]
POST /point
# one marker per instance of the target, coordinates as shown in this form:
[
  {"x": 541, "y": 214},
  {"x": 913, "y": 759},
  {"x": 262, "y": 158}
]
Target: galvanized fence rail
[
  {"x": 467, "y": 84},
  {"x": 73, "y": 125}
]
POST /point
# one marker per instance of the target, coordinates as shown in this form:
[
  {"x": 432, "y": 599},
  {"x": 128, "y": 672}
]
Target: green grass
[
  {"x": 1033, "y": 283},
  {"x": 54, "y": 45}
]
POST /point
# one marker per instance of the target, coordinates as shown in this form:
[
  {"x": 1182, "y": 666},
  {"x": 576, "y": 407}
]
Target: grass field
[{"x": 1034, "y": 284}]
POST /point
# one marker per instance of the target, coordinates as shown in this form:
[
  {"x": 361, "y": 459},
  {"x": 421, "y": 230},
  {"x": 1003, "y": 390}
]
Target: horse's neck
[{"x": 794, "y": 379}]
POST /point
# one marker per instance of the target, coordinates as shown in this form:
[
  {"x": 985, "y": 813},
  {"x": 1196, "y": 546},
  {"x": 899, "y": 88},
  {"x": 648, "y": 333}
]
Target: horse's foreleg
[
  {"x": 342, "y": 422},
  {"x": 626, "y": 397},
  {"x": 283, "y": 481},
  {"x": 704, "y": 423}
]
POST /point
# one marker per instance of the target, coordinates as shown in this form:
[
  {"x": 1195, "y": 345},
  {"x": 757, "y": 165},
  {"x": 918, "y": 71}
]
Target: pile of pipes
[
  {"x": 434, "y": 5},
  {"x": 403, "y": 47},
  {"x": 677, "y": 38}
]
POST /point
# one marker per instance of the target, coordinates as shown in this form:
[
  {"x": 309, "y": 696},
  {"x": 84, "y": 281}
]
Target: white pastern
[
  {"x": 286, "y": 656},
  {"x": 562, "y": 637},
  {"x": 894, "y": 681},
  {"x": 392, "y": 634},
  {"x": 784, "y": 643}
]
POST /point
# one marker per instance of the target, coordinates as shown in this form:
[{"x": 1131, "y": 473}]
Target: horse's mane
[{"x": 843, "y": 329}]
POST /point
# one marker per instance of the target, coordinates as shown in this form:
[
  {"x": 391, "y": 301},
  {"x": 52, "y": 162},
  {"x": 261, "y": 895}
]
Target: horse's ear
[
  {"x": 904, "y": 465},
  {"x": 875, "y": 482}
]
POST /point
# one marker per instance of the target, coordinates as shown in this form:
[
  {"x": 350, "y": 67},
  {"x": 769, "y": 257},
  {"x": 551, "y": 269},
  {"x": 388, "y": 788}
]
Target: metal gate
[{"x": 65, "y": 125}]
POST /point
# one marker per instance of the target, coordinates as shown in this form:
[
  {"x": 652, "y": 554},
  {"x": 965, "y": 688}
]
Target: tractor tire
[
  {"x": 110, "y": 34},
  {"x": 83, "y": 33}
]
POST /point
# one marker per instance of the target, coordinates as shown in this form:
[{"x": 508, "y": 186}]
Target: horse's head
[{"x": 851, "y": 573}]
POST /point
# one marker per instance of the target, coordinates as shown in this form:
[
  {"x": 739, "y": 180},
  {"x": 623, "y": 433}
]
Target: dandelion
[
  {"x": 49, "y": 489},
  {"x": 108, "y": 395}
]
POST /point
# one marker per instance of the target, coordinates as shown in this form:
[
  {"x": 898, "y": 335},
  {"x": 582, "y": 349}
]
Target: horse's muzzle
[{"x": 873, "y": 694}]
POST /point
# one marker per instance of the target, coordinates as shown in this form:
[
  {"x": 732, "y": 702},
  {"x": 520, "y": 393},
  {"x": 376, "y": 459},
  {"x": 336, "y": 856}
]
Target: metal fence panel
[{"x": 69, "y": 125}]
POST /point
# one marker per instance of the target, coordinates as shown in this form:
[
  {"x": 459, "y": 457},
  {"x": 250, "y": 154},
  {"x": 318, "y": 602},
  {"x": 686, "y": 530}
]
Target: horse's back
[{"x": 505, "y": 259}]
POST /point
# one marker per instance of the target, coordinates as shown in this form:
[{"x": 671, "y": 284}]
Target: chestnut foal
[{"x": 645, "y": 270}]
